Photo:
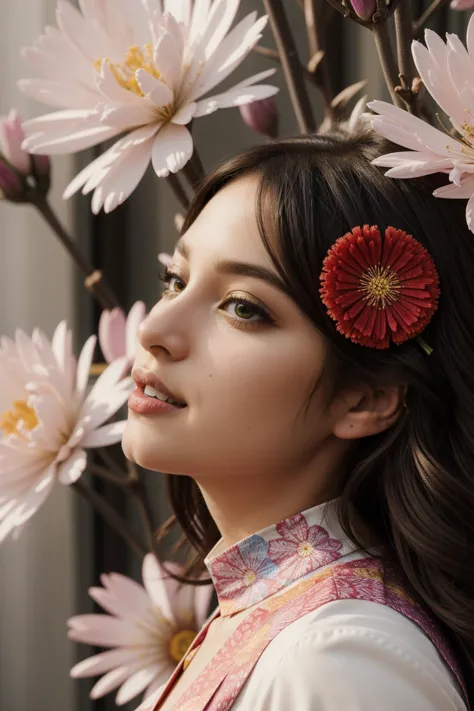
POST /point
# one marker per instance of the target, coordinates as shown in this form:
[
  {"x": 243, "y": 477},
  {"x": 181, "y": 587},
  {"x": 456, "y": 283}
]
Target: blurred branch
[
  {"x": 419, "y": 25},
  {"x": 138, "y": 490},
  {"x": 115, "y": 521},
  {"x": 404, "y": 35},
  {"x": 179, "y": 191},
  {"x": 275, "y": 57},
  {"x": 291, "y": 65},
  {"x": 194, "y": 170},
  {"x": 94, "y": 280},
  {"x": 321, "y": 72},
  {"x": 386, "y": 56}
]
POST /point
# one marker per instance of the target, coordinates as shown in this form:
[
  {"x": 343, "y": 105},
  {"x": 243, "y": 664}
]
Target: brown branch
[
  {"x": 94, "y": 280},
  {"x": 404, "y": 35},
  {"x": 179, "y": 191},
  {"x": 115, "y": 521},
  {"x": 291, "y": 65},
  {"x": 387, "y": 59},
  {"x": 427, "y": 15},
  {"x": 321, "y": 74}
]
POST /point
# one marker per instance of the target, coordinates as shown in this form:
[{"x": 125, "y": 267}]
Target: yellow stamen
[
  {"x": 305, "y": 549},
  {"x": 249, "y": 578},
  {"x": 21, "y": 413},
  {"x": 381, "y": 286},
  {"x": 180, "y": 644},
  {"x": 136, "y": 58}
]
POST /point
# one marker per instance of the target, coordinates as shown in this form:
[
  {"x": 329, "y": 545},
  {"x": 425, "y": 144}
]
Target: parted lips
[{"x": 379, "y": 290}]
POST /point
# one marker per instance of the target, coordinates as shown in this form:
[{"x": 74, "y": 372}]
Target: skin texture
[{"x": 257, "y": 455}]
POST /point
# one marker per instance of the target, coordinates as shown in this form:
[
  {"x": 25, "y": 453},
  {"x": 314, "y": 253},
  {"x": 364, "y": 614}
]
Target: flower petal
[
  {"x": 172, "y": 148},
  {"x": 72, "y": 469},
  {"x": 106, "y": 435},
  {"x": 112, "y": 324},
  {"x": 137, "y": 683},
  {"x": 101, "y": 663}
]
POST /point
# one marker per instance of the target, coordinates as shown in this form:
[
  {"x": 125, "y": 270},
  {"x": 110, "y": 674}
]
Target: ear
[{"x": 364, "y": 413}]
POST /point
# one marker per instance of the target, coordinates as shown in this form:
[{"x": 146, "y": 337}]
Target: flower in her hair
[
  {"x": 446, "y": 71},
  {"x": 377, "y": 290}
]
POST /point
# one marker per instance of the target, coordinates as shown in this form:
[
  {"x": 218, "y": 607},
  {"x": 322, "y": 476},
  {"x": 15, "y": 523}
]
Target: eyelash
[{"x": 166, "y": 274}]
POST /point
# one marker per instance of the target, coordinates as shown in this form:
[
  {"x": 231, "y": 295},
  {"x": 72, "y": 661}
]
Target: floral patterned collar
[{"x": 273, "y": 558}]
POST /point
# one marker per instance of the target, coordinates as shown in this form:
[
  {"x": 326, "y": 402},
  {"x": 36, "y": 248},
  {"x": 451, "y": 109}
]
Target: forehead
[{"x": 227, "y": 226}]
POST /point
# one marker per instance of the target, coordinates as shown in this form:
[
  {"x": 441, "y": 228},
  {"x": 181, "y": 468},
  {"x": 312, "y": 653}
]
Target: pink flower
[
  {"x": 364, "y": 9},
  {"x": 302, "y": 548},
  {"x": 243, "y": 573},
  {"x": 446, "y": 69},
  {"x": 261, "y": 116},
  {"x": 49, "y": 418},
  {"x": 14, "y": 160},
  {"x": 165, "y": 258},
  {"x": 118, "y": 333},
  {"x": 143, "y": 69},
  {"x": 148, "y": 630},
  {"x": 11, "y": 138},
  {"x": 462, "y": 4}
]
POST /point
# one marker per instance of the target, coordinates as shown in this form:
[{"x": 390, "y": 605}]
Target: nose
[{"x": 166, "y": 331}]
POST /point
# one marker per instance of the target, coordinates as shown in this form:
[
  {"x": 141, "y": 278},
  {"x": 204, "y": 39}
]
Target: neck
[{"x": 247, "y": 504}]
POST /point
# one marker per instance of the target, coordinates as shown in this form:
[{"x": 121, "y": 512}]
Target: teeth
[{"x": 151, "y": 392}]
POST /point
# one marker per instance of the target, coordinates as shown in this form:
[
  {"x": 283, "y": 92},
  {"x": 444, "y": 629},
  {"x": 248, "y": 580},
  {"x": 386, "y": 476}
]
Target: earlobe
[{"x": 369, "y": 412}]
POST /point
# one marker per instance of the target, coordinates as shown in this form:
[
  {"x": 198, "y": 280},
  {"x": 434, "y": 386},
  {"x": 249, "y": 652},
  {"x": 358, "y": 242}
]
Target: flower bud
[
  {"x": 11, "y": 187},
  {"x": 11, "y": 138},
  {"x": 365, "y": 9},
  {"x": 18, "y": 163},
  {"x": 261, "y": 116}
]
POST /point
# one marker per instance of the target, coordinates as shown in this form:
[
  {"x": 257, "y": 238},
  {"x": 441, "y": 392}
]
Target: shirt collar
[{"x": 271, "y": 559}]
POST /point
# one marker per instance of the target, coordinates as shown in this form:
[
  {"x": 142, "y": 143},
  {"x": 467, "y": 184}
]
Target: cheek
[{"x": 261, "y": 384}]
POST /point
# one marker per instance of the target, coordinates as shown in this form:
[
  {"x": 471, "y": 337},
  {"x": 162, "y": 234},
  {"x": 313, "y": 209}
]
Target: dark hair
[{"x": 414, "y": 484}]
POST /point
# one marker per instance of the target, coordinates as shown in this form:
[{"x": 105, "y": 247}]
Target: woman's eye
[
  {"x": 243, "y": 310},
  {"x": 175, "y": 281}
]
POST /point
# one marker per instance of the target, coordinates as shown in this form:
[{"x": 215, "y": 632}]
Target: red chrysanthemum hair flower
[{"x": 377, "y": 290}]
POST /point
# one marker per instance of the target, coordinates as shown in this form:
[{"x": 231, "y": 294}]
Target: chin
[{"x": 144, "y": 449}]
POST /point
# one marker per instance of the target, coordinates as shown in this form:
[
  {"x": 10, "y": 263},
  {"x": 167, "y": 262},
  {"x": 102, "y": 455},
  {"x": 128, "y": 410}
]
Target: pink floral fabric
[
  {"x": 264, "y": 563},
  {"x": 217, "y": 687}
]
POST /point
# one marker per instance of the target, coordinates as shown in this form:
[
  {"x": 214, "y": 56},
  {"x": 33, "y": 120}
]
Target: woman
[{"x": 307, "y": 385}]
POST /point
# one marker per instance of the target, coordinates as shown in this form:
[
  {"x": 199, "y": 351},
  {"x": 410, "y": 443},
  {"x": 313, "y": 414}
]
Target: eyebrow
[{"x": 227, "y": 266}]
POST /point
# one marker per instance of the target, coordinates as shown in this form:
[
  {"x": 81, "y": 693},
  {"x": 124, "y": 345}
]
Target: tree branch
[
  {"x": 404, "y": 34},
  {"x": 321, "y": 74},
  {"x": 94, "y": 280},
  {"x": 115, "y": 521},
  {"x": 291, "y": 65},
  {"x": 427, "y": 15},
  {"x": 179, "y": 191},
  {"x": 387, "y": 59}
]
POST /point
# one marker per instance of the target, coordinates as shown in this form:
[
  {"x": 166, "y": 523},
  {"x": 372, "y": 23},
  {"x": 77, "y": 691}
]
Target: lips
[{"x": 143, "y": 378}]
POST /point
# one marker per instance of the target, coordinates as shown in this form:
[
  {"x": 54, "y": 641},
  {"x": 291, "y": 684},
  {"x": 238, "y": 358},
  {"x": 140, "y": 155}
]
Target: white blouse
[
  {"x": 351, "y": 655},
  {"x": 345, "y": 655}
]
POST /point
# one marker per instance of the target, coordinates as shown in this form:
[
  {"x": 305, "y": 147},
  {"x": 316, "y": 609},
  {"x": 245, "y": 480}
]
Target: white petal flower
[
  {"x": 446, "y": 69},
  {"x": 118, "y": 333},
  {"x": 49, "y": 419},
  {"x": 148, "y": 628},
  {"x": 136, "y": 67}
]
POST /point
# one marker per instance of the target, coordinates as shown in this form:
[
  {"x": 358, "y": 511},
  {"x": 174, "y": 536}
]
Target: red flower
[{"x": 377, "y": 290}]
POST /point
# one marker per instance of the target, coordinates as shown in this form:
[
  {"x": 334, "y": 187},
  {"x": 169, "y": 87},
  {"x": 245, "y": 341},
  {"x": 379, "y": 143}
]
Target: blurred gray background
[{"x": 45, "y": 574}]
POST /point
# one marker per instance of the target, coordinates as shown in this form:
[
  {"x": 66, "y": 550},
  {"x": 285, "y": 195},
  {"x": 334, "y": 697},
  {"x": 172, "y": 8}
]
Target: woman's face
[{"x": 243, "y": 369}]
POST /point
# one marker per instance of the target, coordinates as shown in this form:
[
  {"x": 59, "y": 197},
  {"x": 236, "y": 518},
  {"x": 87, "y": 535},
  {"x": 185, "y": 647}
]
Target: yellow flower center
[
  {"x": 249, "y": 578},
  {"x": 20, "y": 413},
  {"x": 136, "y": 58},
  {"x": 381, "y": 286},
  {"x": 180, "y": 644},
  {"x": 305, "y": 549}
]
